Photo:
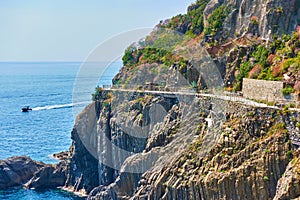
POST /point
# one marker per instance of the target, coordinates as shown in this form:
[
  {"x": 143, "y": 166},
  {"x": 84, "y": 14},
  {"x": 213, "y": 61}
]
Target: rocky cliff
[
  {"x": 246, "y": 154},
  {"x": 177, "y": 147},
  {"x": 161, "y": 145},
  {"x": 16, "y": 171},
  {"x": 259, "y": 17}
]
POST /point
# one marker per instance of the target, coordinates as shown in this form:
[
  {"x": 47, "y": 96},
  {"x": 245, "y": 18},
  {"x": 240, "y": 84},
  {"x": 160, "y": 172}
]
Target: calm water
[{"x": 48, "y": 89}]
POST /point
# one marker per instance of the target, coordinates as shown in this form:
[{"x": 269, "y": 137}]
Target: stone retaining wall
[{"x": 263, "y": 90}]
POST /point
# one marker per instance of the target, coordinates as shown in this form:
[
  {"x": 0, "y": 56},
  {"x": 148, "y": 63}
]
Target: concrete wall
[{"x": 263, "y": 90}]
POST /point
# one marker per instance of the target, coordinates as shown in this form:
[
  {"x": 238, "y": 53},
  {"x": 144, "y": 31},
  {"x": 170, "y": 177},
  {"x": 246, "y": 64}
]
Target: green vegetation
[
  {"x": 105, "y": 104},
  {"x": 279, "y": 10},
  {"x": 287, "y": 90},
  {"x": 267, "y": 151},
  {"x": 289, "y": 154},
  {"x": 277, "y": 128},
  {"x": 216, "y": 19},
  {"x": 161, "y": 58},
  {"x": 158, "y": 48},
  {"x": 265, "y": 61},
  {"x": 272, "y": 62},
  {"x": 97, "y": 94},
  {"x": 163, "y": 39},
  {"x": 261, "y": 54},
  {"x": 192, "y": 23},
  {"x": 243, "y": 72},
  {"x": 266, "y": 178},
  {"x": 194, "y": 85},
  {"x": 254, "y": 20},
  {"x": 134, "y": 57},
  {"x": 250, "y": 114}
]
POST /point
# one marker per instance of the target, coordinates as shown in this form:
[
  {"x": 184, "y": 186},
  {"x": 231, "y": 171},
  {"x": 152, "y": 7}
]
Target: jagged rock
[
  {"x": 15, "y": 171},
  {"x": 103, "y": 193},
  {"x": 273, "y": 17},
  {"x": 133, "y": 145},
  {"x": 65, "y": 155},
  {"x": 289, "y": 185},
  {"x": 50, "y": 176},
  {"x": 244, "y": 151},
  {"x": 82, "y": 171},
  {"x": 172, "y": 181},
  {"x": 224, "y": 173}
]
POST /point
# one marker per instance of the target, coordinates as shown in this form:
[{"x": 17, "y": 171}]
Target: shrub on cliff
[
  {"x": 215, "y": 20},
  {"x": 261, "y": 54},
  {"x": 255, "y": 71},
  {"x": 243, "y": 73},
  {"x": 97, "y": 94},
  {"x": 191, "y": 23},
  {"x": 287, "y": 90}
]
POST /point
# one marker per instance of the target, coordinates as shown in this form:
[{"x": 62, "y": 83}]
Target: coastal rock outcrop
[
  {"x": 246, "y": 163},
  {"x": 289, "y": 184},
  {"x": 17, "y": 170},
  {"x": 82, "y": 172},
  {"x": 49, "y": 176},
  {"x": 249, "y": 147},
  {"x": 135, "y": 144}
]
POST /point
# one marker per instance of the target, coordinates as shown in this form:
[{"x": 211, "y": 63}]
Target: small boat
[{"x": 26, "y": 109}]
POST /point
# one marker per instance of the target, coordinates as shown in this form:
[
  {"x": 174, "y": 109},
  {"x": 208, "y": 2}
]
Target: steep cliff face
[
  {"x": 231, "y": 32},
  {"x": 288, "y": 185},
  {"x": 82, "y": 171},
  {"x": 248, "y": 25},
  {"x": 182, "y": 155},
  {"x": 259, "y": 17},
  {"x": 141, "y": 145},
  {"x": 246, "y": 163},
  {"x": 132, "y": 132}
]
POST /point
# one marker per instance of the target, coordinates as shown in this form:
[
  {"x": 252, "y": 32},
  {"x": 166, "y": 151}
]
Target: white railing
[{"x": 231, "y": 96}]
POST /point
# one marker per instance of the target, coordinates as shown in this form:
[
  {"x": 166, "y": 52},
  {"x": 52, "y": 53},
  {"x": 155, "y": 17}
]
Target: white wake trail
[{"x": 69, "y": 105}]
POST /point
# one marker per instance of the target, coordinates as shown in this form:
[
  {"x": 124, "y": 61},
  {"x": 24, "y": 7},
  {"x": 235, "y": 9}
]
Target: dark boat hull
[{"x": 26, "y": 109}]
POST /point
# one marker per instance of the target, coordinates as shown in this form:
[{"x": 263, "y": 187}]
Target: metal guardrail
[
  {"x": 236, "y": 96},
  {"x": 106, "y": 87}
]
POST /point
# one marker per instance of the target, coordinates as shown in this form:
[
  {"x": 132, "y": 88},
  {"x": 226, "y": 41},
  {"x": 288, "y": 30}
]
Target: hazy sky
[{"x": 67, "y": 30}]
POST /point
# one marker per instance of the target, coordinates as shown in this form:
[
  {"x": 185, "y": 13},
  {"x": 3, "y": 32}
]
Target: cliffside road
[{"x": 229, "y": 97}]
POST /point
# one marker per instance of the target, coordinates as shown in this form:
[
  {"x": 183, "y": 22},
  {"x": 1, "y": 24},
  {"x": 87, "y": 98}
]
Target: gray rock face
[
  {"x": 15, "y": 171},
  {"x": 259, "y": 17},
  {"x": 50, "y": 176},
  {"x": 288, "y": 186},
  {"x": 200, "y": 162},
  {"x": 150, "y": 146},
  {"x": 82, "y": 172}
]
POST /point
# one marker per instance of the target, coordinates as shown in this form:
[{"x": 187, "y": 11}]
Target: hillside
[
  {"x": 204, "y": 147},
  {"x": 153, "y": 136},
  {"x": 243, "y": 39}
]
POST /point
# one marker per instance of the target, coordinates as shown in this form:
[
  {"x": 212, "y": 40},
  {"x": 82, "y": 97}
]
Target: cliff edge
[{"x": 153, "y": 136}]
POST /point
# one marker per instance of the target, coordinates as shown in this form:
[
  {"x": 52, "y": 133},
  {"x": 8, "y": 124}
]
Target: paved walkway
[{"x": 229, "y": 97}]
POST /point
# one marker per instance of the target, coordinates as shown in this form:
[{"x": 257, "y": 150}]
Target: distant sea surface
[{"x": 47, "y": 88}]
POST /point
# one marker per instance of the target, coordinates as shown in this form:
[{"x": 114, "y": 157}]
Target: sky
[{"x": 68, "y": 30}]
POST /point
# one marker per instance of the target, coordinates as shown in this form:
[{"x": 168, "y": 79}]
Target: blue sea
[{"x": 56, "y": 92}]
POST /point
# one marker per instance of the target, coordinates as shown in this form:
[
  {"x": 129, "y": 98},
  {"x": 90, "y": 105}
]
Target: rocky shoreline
[
  {"x": 135, "y": 145},
  {"x": 23, "y": 171},
  {"x": 17, "y": 170},
  {"x": 254, "y": 147}
]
